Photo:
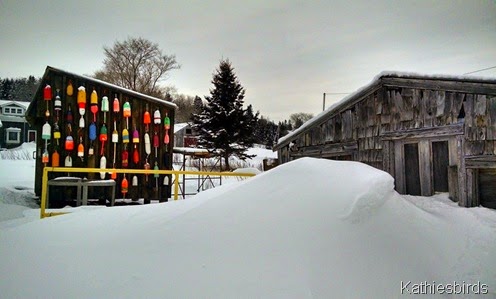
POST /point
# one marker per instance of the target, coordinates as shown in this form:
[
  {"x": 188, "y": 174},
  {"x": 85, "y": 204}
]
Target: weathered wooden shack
[
  {"x": 431, "y": 133},
  {"x": 87, "y": 123}
]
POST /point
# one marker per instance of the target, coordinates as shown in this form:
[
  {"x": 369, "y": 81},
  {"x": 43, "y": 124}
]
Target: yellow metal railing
[{"x": 176, "y": 173}]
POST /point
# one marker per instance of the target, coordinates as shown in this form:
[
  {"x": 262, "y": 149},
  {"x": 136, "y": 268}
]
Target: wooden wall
[
  {"x": 147, "y": 185},
  {"x": 375, "y": 127}
]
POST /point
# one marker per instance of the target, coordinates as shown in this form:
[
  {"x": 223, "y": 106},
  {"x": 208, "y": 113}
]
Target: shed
[
  {"x": 432, "y": 133},
  {"x": 86, "y": 119}
]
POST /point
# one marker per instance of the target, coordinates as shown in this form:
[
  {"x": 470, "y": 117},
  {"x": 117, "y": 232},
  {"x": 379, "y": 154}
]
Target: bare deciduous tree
[{"x": 137, "y": 64}]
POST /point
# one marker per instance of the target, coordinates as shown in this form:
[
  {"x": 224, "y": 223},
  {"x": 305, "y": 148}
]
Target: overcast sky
[{"x": 286, "y": 53}]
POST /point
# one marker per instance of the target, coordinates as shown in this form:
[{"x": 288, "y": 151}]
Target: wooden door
[
  {"x": 412, "y": 170},
  {"x": 440, "y": 164},
  {"x": 487, "y": 188}
]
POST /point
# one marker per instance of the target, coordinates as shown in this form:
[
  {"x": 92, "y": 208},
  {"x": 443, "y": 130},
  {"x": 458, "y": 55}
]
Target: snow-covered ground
[{"x": 311, "y": 228}]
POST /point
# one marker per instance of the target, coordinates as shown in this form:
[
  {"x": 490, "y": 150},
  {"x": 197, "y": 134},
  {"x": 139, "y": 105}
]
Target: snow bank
[
  {"x": 22, "y": 152},
  {"x": 306, "y": 229}
]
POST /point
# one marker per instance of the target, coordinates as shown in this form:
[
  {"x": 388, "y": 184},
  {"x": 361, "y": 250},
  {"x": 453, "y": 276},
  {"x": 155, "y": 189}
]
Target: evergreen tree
[{"x": 223, "y": 125}]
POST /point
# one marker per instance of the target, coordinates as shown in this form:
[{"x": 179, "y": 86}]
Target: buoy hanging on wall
[
  {"x": 69, "y": 90},
  {"x": 68, "y": 161},
  {"x": 135, "y": 181},
  {"x": 94, "y": 104},
  {"x": 69, "y": 143},
  {"x": 105, "y": 108},
  {"x": 55, "y": 159},
  {"x": 116, "y": 105},
  {"x": 81, "y": 100},
  {"x": 47, "y": 93},
  {"x": 103, "y": 165},
  {"x": 124, "y": 186},
  {"x": 126, "y": 110}
]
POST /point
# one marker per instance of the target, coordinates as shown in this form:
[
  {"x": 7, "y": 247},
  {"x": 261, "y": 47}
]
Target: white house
[{"x": 14, "y": 128}]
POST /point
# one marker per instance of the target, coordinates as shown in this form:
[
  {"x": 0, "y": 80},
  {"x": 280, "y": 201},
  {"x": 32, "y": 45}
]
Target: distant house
[
  {"x": 431, "y": 133},
  {"x": 184, "y": 135},
  {"x": 14, "y": 128}
]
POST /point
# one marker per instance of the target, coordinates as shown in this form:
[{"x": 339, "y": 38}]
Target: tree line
[{"x": 221, "y": 119}]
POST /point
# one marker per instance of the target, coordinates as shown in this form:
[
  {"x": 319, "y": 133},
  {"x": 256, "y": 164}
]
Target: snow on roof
[
  {"x": 110, "y": 85},
  {"x": 10, "y": 102},
  {"x": 190, "y": 150},
  {"x": 375, "y": 82},
  {"x": 179, "y": 126}
]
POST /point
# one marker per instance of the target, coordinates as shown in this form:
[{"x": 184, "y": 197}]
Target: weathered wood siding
[{"x": 374, "y": 127}]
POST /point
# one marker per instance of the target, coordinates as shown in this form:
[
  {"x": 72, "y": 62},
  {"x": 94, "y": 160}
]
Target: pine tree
[{"x": 223, "y": 125}]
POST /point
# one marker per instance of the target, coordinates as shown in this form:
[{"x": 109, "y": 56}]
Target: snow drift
[{"x": 307, "y": 229}]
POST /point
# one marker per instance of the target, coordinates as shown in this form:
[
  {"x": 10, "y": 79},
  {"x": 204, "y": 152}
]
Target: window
[
  {"x": 13, "y": 111},
  {"x": 31, "y": 135},
  {"x": 13, "y": 135}
]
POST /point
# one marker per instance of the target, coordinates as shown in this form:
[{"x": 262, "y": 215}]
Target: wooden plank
[
  {"x": 491, "y": 118},
  {"x": 425, "y": 167},
  {"x": 440, "y": 100},
  {"x": 469, "y": 86},
  {"x": 450, "y": 130},
  {"x": 399, "y": 170},
  {"x": 472, "y": 188},
  {"x": 462, "y": 172},
  {"x": 453, "y": 182}
]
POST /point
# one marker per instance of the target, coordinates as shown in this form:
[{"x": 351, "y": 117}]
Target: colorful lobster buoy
[
  {"x": 103, "y": 165},
  {"x": 135, "y": 181},
  {"x": 92, "y": 135},
  {"x": 116, "y": 105},
  {"x": 69, "y": 143},
  {"x": 147, "y": 120},
  {"x": 80, "y": 150},
  {"x": 46, "y": 133},
  {"x": 69, "y": 117},
  {"x": 47, "y": 93},
  {"x": 124, "y": 187},
  {"x": 94, "y": 104},
  {"x": 69, "y": 90},
  {"x": 57, "y": 104},
  {"x": 103, "y": 137},
  {"x": 166, "y": 127},
  {"x": 81, "y": 100},
  {"x": 125, "y": 158},
  {"x": 55, "y": 159},
  {"x": 105, "y": 108},
  {"x": 126, "y": 111},
  {"x": 68, "y": 161},
  {"x": 156, "y": 143},
  {"x": 156, "y": 117}
]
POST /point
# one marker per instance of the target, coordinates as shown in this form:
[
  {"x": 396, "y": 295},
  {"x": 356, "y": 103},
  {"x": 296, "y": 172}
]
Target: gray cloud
[{"x": 286, "y": 53}]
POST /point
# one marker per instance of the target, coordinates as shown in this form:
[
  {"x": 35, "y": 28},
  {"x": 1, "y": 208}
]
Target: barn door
[
  {"x": 440, "y": 164},
  {"x": 487, "y": 187},
  {"x": 412, "y": 170}
]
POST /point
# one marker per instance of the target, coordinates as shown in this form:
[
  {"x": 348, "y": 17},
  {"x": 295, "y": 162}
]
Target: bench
[
  {"x": 82, "y": 188},
  {"x": 98, "y": 183},
  {"x": 65, "y": 182}
]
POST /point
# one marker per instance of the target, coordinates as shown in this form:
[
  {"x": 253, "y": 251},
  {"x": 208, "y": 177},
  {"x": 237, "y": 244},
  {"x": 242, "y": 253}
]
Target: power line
[{"x": 489, "y": 68}]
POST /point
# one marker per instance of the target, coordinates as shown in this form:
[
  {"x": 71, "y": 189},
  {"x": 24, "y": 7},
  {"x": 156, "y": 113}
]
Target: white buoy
[
  {"x": 148, "y": 146},
  {"x": 103, "y": 165},
  {"x": 135, "y": 181},
  {"x": 68, "y": 161}
]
